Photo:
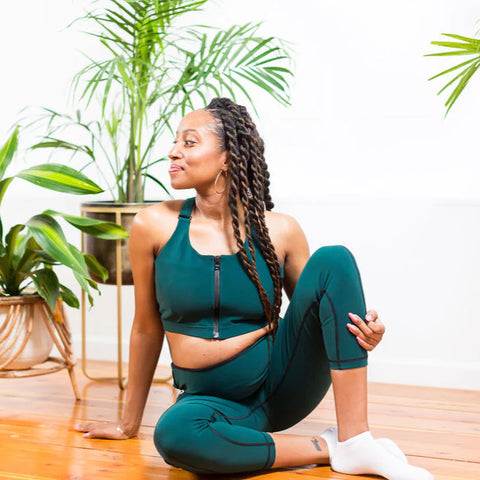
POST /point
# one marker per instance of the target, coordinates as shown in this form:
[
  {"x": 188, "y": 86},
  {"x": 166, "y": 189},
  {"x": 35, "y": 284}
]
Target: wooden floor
[{"x": 438, "y": 429}]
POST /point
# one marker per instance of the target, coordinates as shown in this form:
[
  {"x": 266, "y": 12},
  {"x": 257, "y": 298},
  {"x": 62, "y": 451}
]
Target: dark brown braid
[{"x": 249, "y": 173}]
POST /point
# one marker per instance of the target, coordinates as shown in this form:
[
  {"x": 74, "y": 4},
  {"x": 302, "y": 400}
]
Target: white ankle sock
[
  {"x": 362, "y": 455},
  {"x": 330, "y": 435}
]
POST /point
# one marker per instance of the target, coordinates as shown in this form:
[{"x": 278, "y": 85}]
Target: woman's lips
[{"x": 174, "y": 169}]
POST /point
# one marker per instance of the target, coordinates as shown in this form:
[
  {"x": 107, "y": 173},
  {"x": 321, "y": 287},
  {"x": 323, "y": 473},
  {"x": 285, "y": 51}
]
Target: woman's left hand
[{"x": 368, "y": 332}]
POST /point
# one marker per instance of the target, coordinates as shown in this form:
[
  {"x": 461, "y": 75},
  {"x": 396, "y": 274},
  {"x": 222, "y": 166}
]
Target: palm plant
[
  {"x": 155, "y": 68},
  {"x": 464, "y": 70},
  {"x": 28, "y": 252}
]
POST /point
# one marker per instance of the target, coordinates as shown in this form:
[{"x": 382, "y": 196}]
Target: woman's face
[{"x": 196, "y": 154}]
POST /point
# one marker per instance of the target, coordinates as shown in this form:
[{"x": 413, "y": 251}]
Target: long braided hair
[{"x": 249, "y": 180}]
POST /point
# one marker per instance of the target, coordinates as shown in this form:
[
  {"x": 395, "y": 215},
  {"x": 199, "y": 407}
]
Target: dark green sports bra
[{"x": 207, "y": 296}]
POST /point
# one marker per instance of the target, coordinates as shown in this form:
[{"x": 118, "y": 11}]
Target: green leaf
[
  {"x": 460, "y": 65},
  {"x": 69, "y": 297},
  {"x": 11, "y": 241},
  {"x": 47, "y": 285},
  {"x": 158, "y": 182},
  {"x": 460, "y": 87},
  {"x": 28, "y": 256},
  {"x": 49, "y": 235},
  {"x": 97, "y": 228},
  {"x": 465, "y": 39},
  {"x": 59, "y": 178},
  {"x": 8, "y": 151},
  {"x": 95, "y": 267},
  {"x": 3, "y": 186}
]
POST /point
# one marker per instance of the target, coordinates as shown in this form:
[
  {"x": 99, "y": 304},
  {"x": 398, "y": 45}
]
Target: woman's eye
[{"x": 189, "y": 143}]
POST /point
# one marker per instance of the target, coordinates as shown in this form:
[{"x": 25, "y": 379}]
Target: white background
[{"x": 363, "y": 158}]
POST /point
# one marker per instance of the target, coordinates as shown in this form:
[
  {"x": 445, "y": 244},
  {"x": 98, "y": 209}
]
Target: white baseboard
[
  {"x": 464, "y": 376},
  {"x": 399, "y": 371}
]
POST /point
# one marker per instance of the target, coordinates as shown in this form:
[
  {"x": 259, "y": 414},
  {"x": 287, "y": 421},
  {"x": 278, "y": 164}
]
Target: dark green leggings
[{"x": 219, "y": 423}]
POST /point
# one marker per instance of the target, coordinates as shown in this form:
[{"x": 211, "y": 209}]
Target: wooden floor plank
[{"x": 439, "y": 429}]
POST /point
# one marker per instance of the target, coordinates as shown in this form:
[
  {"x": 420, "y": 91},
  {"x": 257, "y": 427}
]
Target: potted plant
[
  {"x": 153, "y": 68},
  {"x": 458, "y": 46},
  {"x": 30, "y": 290}
]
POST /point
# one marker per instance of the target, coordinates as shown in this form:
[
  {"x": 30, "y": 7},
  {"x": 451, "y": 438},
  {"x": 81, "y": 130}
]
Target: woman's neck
[{"x": 215, "y": 209}]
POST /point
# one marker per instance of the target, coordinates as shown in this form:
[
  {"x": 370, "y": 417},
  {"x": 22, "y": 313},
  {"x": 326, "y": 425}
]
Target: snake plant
[{"x": 30, "y": 251}]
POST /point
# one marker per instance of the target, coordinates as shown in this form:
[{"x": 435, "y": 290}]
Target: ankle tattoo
[{"x": 316, "y": 444}]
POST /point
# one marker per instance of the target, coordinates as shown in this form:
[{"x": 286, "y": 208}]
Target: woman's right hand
[{"x": 103, "y": 430}]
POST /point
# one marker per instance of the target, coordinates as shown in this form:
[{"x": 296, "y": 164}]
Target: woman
[{"x": 208, "y": 274}]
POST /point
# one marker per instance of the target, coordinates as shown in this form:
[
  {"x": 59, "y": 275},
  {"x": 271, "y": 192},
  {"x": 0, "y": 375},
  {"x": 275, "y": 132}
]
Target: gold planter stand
[
  {"x": 58, "y": 329},
  {"x": 121, "y": 378}
]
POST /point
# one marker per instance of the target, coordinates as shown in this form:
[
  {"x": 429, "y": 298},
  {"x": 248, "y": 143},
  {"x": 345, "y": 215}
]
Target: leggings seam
[
  {"x": 349, "y": 360},
  {"x": 269, "y": 445},
  {"x": 337, "y": 349},
  {"x": 300, "y": 331},
  {"x": 238, "y": 443}
]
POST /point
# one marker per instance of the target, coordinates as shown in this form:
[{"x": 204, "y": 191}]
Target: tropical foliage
[
  {"x": 461, "y": 73},
  {"x": 154, "y": 68},
  {"x": 29, "y": 251}
]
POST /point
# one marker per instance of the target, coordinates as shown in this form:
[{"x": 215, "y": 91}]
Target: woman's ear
[{"x": 226, "y": 158}]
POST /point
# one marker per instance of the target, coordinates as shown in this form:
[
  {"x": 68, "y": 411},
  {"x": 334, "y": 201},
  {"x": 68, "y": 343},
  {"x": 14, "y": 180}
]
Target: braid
[{"x": 249, "y": 182}]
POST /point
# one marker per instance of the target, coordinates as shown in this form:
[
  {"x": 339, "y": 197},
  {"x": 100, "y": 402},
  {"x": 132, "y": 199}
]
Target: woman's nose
[{"x": 173, "y": 154}]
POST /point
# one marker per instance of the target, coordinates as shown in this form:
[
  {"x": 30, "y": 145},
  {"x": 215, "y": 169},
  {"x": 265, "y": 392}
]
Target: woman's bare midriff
[{"x": 195, "y": 352}]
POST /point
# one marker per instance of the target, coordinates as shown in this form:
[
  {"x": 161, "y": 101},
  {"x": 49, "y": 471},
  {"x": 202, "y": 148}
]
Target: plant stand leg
[
  {"x": 120, "y": 378},
  {"x": 73, "y": 380}
]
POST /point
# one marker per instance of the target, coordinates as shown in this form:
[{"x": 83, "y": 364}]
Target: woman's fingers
[
  {"x": 368, "y": 334},
  {"x": 83, "y": 427},
  {"x": 361, "y": 325},
  {"x": 365, "y": 345},
  {"x": 101, "y": 430},
  {"x": 361, "y": 337},
  {"x": 377, "y": 327}
]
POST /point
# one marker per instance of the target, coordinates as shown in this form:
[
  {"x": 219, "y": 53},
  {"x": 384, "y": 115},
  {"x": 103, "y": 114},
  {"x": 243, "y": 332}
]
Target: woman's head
[
  {"x": 196, "y": 155},
  {"x": 221, "y": 153}
]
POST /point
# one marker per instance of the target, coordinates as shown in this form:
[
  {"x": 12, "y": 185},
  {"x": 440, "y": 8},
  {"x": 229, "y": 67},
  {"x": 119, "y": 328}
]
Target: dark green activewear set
[{"x": 219, "y": 423}]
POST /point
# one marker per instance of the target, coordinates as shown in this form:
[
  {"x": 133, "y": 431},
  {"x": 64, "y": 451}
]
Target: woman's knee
[
  {"x": 168, "y": 438},
  {"x": 334, "y": 258},
  {"x": 180, "y": 438}
]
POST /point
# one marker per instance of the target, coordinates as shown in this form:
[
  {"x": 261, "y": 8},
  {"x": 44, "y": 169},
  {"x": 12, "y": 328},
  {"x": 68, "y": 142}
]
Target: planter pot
[
  {"x": 105, "y": 250},
  {"x": 24, "y": 338}
]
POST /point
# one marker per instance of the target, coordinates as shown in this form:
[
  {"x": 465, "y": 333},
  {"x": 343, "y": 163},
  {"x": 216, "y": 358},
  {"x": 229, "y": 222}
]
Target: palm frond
[{"x": 464, "y": 46}]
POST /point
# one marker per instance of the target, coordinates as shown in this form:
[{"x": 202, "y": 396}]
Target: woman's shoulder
[
  {"x": 161, "y": 210},
  {"x": 157, "y": 222},
  {"x": 281, "y": 223}
]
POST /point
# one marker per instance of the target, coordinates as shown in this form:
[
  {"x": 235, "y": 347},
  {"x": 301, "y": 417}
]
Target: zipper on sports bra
[{"x": 216, "y": 315}]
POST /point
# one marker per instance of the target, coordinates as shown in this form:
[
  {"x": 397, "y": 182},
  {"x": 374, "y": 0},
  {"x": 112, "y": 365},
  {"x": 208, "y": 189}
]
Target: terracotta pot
[
  {"x": 24, "y": 338},
  {"x": 105, "y": 250}
]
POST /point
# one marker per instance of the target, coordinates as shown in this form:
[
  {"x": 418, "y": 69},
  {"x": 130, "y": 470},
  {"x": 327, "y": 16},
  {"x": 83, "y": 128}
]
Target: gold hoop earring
[{"x": 216, "y": 180}]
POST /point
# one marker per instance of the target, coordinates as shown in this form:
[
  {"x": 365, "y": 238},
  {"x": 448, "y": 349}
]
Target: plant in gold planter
[
  {"x": 152, "y": 69},
  {"x": 30, "y": 251}
]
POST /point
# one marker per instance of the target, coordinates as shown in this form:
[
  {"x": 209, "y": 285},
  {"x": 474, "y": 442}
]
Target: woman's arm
[
  {"x": 146, "y": 337},
  {"x": 297, "y": 252}
]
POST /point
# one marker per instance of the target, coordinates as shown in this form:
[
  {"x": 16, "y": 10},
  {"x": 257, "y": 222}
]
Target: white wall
[{"x": 363, "y": 158}]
